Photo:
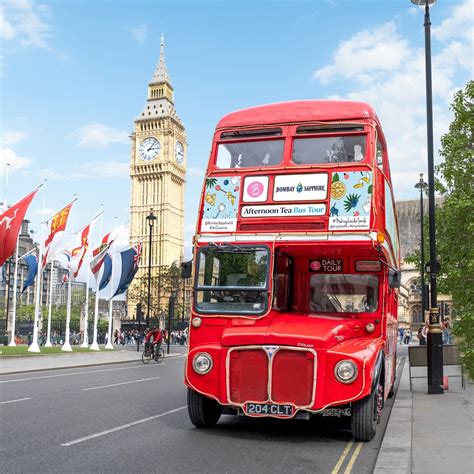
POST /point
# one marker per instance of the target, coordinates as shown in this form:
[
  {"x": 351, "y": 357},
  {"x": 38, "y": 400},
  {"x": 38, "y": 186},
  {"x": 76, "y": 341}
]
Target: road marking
[
  {"x": 66, "y": 375},
  {"x": 353, "y": 458},
  {"x": 342, "y": 457},
  {"x": 121, "y": 383},
  {"x": 112, "y": 430},
  {"x": 13, "y": 401}
]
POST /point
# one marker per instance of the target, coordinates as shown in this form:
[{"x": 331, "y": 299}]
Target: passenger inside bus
[
  {"x": 341, "y": 293},
  {"x": 250, "y": 154}
]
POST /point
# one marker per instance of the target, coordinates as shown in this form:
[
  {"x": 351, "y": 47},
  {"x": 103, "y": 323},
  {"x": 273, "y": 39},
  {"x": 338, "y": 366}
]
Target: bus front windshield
[
  {"x": 232, "y": 279},
  {"x": 343, "y": 293}
]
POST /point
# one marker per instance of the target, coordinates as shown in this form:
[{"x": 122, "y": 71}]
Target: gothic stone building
[{"x": 409, "y": 303}]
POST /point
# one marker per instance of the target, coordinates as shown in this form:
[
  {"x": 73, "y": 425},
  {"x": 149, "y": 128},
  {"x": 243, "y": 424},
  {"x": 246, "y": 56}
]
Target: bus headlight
[
  {"x": 202, "y": 363},
  {"x": 345, "y": 371}
]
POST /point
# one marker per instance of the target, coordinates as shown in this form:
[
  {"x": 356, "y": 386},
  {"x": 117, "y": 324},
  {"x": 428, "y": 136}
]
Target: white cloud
[
  {"x": 109, "y": 169},
  {"x": 398, "y": 94},
  {"x": 10, "y": 138},
  {"x": 51, "y": 175},
  {"x": 367, "y": 52},
  {"x": 25, "y": 21},
  {"x": 139, "y": 33},
  {"x": 99, "y": 136},
  {"x": 458, "y": 25},
  {"x": 11, "y": 161}
]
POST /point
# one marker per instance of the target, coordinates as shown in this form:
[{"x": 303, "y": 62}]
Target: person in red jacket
[{"x": 155, "y": 338}]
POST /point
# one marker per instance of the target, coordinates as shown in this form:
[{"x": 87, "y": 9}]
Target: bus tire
[
  {"x": 364, "y": 417},
  {"x": 203, "y": 411}
]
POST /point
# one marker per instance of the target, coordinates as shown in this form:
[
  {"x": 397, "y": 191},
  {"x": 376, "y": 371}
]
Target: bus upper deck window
[
  {"x": 250, "y": 154},
  {"x": 334, "y": 149}
]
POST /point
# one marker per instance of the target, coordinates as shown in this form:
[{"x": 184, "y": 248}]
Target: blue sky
[{"x": 74, "y": 77}]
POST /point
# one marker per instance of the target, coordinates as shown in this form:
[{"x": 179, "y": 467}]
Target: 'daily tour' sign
[{"x": 329, "y": 265}]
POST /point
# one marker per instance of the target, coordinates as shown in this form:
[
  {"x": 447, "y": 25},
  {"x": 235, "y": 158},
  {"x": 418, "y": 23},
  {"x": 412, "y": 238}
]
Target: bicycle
[{"x": 157, "y": 356}]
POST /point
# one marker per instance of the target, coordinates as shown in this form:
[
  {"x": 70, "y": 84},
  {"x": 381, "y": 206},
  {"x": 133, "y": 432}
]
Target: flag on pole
[
  {"x": 32, "y": 265},
  {"x": 107, "y": 273},
  {"x": 79, "y": 251},
  {"x": 10, "y": 224},
  {"x": 57, "y": 228},
  {"x": 98, "y": 259},
  {"x": 130, "y": 261}
]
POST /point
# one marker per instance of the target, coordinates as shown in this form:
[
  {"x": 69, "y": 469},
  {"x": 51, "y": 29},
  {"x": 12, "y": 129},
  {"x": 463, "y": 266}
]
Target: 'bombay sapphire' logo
[{"x": 299, "y": 187}]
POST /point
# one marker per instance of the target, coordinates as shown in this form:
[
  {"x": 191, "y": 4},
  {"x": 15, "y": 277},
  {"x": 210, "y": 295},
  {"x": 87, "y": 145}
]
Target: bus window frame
[
  {"x": 366, "y": 161},
  {"x": 267, "y": 290},
  {"x": 219, "y": 141}
]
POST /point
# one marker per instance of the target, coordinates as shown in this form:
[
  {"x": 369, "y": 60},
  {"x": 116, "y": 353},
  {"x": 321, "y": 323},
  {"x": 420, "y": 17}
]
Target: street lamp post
[
  {"x": 151, "y": 218},
  {"x": 435, "y": 344},
  {"x": 421, "y": 185}
]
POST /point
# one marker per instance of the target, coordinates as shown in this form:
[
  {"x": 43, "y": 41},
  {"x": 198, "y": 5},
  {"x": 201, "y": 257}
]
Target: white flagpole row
[{"x": 15, "y": 283}]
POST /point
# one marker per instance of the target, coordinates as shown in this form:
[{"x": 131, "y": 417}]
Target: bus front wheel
[
  {"x": 203, "y": 411},
  {"x": 366, "y": 415}
]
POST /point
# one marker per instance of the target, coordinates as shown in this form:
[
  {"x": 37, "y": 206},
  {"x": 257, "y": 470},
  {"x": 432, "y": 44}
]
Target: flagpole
[
  {"x": 34, "y": 347},
  {"x": 50, "y": 303},
  {"x": 67, "y": 345},
  {"x": 111, "y": 302},
  {"x": 94, "y": 345},
  {"x": 15, "y": 283}
]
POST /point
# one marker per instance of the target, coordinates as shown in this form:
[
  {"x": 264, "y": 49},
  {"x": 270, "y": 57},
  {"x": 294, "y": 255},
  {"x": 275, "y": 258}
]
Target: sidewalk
[
  {"x": 429, "y": 433},
  {"x": 15, "y": 365}
]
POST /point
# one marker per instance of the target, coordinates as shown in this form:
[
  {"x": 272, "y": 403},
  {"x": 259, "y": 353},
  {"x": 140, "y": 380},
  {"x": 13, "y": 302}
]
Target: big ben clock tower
[{"x": 157, "y": 170}]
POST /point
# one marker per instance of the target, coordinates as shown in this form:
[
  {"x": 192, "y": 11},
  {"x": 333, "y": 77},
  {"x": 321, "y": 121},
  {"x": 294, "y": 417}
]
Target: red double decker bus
[{"x": 296, "y": 268}]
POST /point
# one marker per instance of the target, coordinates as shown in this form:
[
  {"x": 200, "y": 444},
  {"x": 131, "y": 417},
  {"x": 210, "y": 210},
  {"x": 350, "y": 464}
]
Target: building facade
[
  {"x": 157, "y": 171},
  {"x": 410, "y": 312}
]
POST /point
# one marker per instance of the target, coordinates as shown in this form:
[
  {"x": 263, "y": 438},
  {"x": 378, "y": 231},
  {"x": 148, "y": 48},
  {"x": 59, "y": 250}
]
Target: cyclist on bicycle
[{"x": 156, "y": 338}]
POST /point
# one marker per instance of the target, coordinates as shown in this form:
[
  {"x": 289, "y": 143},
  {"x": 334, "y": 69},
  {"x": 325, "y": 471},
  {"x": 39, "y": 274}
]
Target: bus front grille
[{"x": 292, "y": 372}]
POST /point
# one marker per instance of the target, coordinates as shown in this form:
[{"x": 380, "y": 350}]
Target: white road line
[
  {"x": 121, "y": 383},
  {"x": 118, "y": 428},
  {"x": 67, "y": 375},
  {"x": 13, "y": 401}
]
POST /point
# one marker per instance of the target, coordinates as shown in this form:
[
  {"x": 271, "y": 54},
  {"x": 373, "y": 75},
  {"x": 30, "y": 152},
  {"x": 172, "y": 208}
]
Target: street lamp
[
  {"x": 435, "y": 344},
  {"x": 151, "y": 218},
  {"x": 422, "y": 186}
]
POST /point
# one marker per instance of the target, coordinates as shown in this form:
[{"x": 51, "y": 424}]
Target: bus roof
[{"x": 298, "y": 111}]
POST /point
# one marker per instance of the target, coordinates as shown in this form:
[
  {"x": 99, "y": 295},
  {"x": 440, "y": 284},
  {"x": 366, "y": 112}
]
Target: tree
[
  {"x": 163, "y": 281},
  {"x": 455, "y": 219}
]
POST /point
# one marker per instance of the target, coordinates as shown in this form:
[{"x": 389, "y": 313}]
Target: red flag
[
  {"x": 78, "y": 253},
  {"x": 10, "y": 224},
  {"x": 58, "y": 224},
  {"x": 105, "y": 241}
]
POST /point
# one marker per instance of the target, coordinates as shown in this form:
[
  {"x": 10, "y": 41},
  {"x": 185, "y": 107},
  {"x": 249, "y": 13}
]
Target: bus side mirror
[
  {"x": 394, "y": 278},
  {"x": 186, "y": 269}
]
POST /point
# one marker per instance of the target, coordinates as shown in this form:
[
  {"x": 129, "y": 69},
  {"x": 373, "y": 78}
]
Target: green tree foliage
[{"x": 455, "y": 219}]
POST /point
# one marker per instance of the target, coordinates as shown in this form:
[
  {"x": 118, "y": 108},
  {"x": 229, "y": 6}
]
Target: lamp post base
[{"x": 435, "y": 362}]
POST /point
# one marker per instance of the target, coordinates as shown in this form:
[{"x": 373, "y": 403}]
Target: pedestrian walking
[
  {"x": 446, "y": 327},
  {"x": 407, "y": 336}
]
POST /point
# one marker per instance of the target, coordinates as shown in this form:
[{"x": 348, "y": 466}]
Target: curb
[
  {"x": 395, "y": 455},
  {"x": 77, "y": 366}
]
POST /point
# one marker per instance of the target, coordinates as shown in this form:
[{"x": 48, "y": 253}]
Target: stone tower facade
[{"x": 157, "y": 171}]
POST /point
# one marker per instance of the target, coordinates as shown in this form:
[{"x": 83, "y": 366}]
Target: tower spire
[{"x": 161, "y": 72}]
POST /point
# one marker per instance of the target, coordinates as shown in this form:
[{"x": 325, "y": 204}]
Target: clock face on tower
[
  {"x": 149, "y": 148},
  {"x": 179, "y": 153}
]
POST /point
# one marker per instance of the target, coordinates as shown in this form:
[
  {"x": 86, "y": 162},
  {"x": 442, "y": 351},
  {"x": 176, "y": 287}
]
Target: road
[{"x": 133, "y": 418}]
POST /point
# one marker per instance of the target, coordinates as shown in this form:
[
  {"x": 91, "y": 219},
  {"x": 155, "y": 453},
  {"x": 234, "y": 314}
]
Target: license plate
[{"x": 268, "y": 409}]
